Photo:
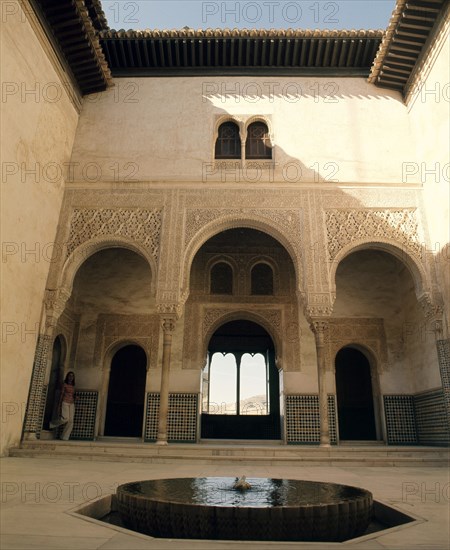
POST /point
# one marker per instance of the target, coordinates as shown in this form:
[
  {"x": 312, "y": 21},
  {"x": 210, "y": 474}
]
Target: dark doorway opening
[
  {"x": 354, "y": 393},
  {"x": 126, "y": 393},
  {"x": 54, "y": 382},
  {"x": 248, "y": 381}
]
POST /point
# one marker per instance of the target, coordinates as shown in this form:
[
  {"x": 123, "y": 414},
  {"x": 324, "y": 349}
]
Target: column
[
  {"x": 168, "y": 327},
  {"x": 238, "y": 357},
  {"x": 320, "y": 328}
]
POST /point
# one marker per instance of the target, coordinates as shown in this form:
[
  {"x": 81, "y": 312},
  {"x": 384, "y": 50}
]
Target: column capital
[
  {"x": 55, "y": 302},
  {"x": 431, "y": 308},
  {"x": 172, "y": 310},
  {"x": 433, "y": 312},
  {"x": 318, "y": 304},
  {"x": 320, "y": 326},
  {"x": 168, "y": 323}
]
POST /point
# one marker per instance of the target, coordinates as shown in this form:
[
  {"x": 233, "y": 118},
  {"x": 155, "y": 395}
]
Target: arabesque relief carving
[
  {"x": 137, "y": 224},
  {"x": 142, "y": 330},
  {"x": 366, "y": 332},
  {"x": 346, "y": 226}
]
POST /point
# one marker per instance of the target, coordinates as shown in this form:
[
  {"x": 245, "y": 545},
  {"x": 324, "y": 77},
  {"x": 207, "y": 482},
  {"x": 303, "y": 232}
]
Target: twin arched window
[
  {"x": 257, "y": 146},
  {"x": 221, "y": 279}
]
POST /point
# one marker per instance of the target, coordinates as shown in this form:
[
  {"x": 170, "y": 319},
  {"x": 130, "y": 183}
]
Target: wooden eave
[
  {"x": 239, "y": 52},
  {"x": 412, "y": 26},
  {"x": 73, "y": 34}
]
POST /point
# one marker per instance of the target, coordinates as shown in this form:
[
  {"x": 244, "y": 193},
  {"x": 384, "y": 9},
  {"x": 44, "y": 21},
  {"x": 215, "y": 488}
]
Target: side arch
[
  {"x": 91, "y": 247},
  {"x": 416, "y": 268}
]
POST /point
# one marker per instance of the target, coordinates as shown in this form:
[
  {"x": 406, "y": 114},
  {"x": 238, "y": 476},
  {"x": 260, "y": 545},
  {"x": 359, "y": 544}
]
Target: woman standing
[{"x": 66, "y": 406}]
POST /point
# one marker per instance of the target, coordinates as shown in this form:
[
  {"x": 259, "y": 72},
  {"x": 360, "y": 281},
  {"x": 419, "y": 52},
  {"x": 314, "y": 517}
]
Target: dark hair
[{"x": 66, "y": 381}]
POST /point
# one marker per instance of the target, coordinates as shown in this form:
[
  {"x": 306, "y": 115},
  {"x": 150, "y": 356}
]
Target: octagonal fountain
[{"x": 259, "y": 509}]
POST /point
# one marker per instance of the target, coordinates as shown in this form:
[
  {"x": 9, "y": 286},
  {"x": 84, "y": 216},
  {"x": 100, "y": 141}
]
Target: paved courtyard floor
[{"x": 38, "y": 497}]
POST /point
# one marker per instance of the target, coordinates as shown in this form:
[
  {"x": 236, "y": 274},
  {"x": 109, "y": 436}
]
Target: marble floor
[{"x": 39, "y": 496}]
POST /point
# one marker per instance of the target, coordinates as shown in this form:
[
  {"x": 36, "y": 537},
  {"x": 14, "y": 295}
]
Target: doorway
[
  {"x": 240, "y": 385},
  {"x": 126, "y": 393},
  {"x": 354, "y": 392}
]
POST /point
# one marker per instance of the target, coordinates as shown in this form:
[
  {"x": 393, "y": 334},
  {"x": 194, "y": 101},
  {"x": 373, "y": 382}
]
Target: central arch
[
  {"x": 240, "y": 384},
  {"x": 221, "y": 225}
]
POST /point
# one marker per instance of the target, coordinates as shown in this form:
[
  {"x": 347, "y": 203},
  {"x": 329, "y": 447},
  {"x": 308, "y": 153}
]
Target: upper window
[
  {"x": 221, "y": 279},
  {"x": 258, "y": 142},
  {"x": 228, "y": 144},
  {"x": 262, "y": 280}
]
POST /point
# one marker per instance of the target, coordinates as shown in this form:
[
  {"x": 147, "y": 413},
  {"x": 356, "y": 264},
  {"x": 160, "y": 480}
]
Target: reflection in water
[{"x": 264, "y": 492}]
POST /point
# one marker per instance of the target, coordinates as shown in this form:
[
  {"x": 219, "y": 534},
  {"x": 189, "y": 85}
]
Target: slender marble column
[
  {"x": 168, "y": 326},
  {"x": 319, "y": 328}
]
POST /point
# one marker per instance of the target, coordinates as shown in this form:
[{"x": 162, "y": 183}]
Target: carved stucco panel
[
  {"x": 137, "y": 224},
  {"x": 199, "y": 320},
  {"x": 287, "y": 220},
  {"x": 137, "y": 329},
  {"x": 345, "y": 226},
  {"x": 368, "y": 333}
]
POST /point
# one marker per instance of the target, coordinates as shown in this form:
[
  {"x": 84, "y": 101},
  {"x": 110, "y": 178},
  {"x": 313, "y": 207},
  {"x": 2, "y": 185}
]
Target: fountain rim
[{"x": 364, "y": 493}]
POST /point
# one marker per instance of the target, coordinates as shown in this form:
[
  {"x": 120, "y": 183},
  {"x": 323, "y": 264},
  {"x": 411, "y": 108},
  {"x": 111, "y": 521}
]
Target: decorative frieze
[{"x": 319, "y": 304}]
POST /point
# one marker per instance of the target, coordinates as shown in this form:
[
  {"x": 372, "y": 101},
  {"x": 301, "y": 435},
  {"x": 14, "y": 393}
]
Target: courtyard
[{"x": 39, "y": 497}]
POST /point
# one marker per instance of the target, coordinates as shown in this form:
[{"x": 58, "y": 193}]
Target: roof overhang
[
  {"x": 72, "y": 27},
  {"x": 413, "y": 26},
  {"x": 241, "y": 52}
]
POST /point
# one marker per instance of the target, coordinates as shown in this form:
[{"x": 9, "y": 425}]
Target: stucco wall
[
  {"x": 429, "y": 110},
  {"x": 38, "y": 128},
  {"x": 165, "y": 128}
]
